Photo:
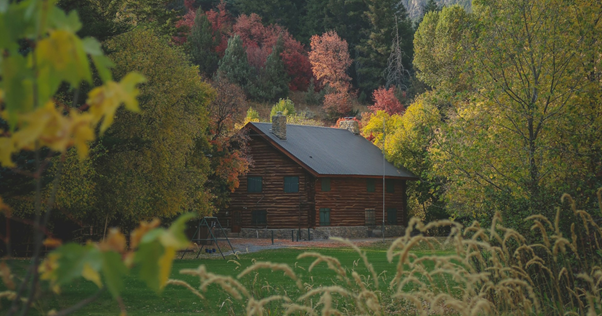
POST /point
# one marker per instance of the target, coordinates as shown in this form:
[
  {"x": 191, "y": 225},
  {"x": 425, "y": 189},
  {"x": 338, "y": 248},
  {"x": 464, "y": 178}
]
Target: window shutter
[
  {"x": 325, "y": 184},
  {"x": 370, "y": 218},
  {"x": 370, "y": 185},
  {"x": 392, "y": 216},
  {"x": 390, "y": 186},
  {"x": 291, "y": 184},
  {"x": 254, "y": 184},
  {"x": 324, "y": 217}
]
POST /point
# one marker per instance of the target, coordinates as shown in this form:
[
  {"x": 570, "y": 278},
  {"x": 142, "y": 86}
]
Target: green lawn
[{"x": 139, "y": 300}]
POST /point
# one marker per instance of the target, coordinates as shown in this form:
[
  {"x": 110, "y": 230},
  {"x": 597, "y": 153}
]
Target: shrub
[{"x": 286, "y": 106}]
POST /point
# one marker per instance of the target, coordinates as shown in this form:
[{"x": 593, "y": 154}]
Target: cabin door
[{"x": 236, "y": 221}]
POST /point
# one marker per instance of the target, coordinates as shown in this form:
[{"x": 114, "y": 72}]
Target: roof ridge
[{"x": 301, "y": 125}]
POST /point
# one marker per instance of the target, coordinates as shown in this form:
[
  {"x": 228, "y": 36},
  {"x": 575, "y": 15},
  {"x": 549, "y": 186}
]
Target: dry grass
[{"x": 492, "y": 271}]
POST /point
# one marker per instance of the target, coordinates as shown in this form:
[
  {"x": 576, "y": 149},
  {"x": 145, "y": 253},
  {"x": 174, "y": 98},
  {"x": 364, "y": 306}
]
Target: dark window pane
[
  {"x": 392, "y": 216},
  {"x": 254, "y": 184},
  {"x": 259, "y": 217},
  {"x": 324, "y": 217},
  {"x": 370, "y": 219},
  {"x": 291, "y": 184},
  {"x": 390, "y": 186},
  {"x": 370, "y": 185},
  {"x": 325, "y": 184}
]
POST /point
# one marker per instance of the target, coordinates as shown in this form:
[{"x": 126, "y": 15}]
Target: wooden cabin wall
[
  {"x": 284, "y": 210},
  {"x": 349, "y": 198}
]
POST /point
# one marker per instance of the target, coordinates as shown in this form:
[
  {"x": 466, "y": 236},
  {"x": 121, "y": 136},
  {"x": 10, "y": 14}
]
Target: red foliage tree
[
  {"x": 385, "y": 100},
  {"x": 259, "y": 41},
  {"x": 221, "y": 23}
]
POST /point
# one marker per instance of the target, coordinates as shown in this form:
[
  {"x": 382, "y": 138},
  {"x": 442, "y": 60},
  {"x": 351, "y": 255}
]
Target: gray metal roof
[{"x": 334, "y": 151}]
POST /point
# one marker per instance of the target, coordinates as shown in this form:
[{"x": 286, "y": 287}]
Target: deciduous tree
[{"x": 385, "y": 100}]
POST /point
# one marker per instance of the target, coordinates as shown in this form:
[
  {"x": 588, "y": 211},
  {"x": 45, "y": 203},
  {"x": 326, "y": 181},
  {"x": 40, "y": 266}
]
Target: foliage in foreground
[{"x": 492, "y": 271}]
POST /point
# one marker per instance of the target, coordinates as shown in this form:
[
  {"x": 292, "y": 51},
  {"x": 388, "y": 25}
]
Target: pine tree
[
  {"x": 234, "y": 66},
  {"x": 429, "y": 6},
  {"x": 273, "y": 80},
  {"x": 202, "y": 44},
  {"x": 387, "y": 19}
]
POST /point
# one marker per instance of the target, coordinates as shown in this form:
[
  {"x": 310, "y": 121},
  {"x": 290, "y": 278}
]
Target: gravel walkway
[{"x": 249, "y": 245}]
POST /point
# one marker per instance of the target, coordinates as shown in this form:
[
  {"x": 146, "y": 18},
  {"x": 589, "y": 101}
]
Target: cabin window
[
  {"x": 392, "y": 216},
  {"x": 325, "y": 184},
  {"x": 370, "y": 185},
  {"x": 370, "y": 218},
  {"x": 254, "y": 184},
  {"x": 324, "y": 217},
  {"x": 390, "y": 186},
  {"x": 259, "y": 217},
  {"x": 291, "y": 184}
]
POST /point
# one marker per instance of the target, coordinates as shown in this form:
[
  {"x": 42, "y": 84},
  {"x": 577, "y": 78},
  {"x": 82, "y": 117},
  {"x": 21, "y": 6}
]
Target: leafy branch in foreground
[{"x": 39, "y": 52}]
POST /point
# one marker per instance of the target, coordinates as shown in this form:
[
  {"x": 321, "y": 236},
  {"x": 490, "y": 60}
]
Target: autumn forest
[{"x": 136, "y": 108}]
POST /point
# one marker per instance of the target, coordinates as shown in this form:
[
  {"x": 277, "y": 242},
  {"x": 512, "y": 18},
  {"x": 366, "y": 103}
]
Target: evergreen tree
[
  {"x": 273, "y": 79},
  {"x": 388, "y": 19},
  {"x": 202, "y": 44},
  {"x": 234, "y": 65},
  {"x": 429, "y": 6}
]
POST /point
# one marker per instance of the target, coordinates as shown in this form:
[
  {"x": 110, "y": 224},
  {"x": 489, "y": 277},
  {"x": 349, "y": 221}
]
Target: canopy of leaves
[
  {"x": 285, "y": 106},
  {"x": 151, "y": 167},
  {"x": 521, "y": 75},
  {"x": 385, "y": 100}
]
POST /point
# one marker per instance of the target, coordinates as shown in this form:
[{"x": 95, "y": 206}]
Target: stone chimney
[
  {"x": 279, "y": 125},
  {"x": 351, "y": 125}
]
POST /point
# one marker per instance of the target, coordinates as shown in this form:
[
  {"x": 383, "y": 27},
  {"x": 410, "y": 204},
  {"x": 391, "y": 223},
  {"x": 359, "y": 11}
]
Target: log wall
[
  {"x": 284, "y": 210},
  {"x": 349, "y": 198}
]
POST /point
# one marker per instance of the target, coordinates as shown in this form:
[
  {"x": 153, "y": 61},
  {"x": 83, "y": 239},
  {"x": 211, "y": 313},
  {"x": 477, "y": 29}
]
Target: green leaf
[
  {"x": 72, "y": 259},
  {"x": 113, "y": 271},
  {"x": 178, "y": 227},
  {"x": 17, "y": 85},
  {"x": 147, "y": 257},
  {"x": 92, "y": 46},
  {"x": 103, "y": 65}
]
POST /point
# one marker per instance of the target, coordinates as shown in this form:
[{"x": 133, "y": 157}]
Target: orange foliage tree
[{"x": 329, "y": 57}]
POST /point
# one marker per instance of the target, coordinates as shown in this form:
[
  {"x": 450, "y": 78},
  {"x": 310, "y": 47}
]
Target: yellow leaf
[
  {"x": 52, "y": 242},
  {"x": 63, "y": 51},
  {"x": 105, "y": 100},
  {"x": 165, "y": 263},
  {"x": 6, "y": 275},
  {"x": 7, "y": 148},
  {"x": 48, "y": 266},
  {"x": 139, "y": 232},
  {"x": 91, "y": 275},
  {"x": 33, "y": 124},
  {"x": 81, "y": 132},
  {"x": 114, "y": 242}
]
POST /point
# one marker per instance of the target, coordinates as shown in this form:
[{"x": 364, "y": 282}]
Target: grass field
[{"x": 174, "y": 300}]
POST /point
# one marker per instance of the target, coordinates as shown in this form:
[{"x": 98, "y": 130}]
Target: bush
[{"x": 286, "y": 106}]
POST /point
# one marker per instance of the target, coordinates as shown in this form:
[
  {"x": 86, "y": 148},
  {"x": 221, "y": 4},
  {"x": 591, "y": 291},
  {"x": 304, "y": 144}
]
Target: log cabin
[{"x": 329, "y": 180}]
